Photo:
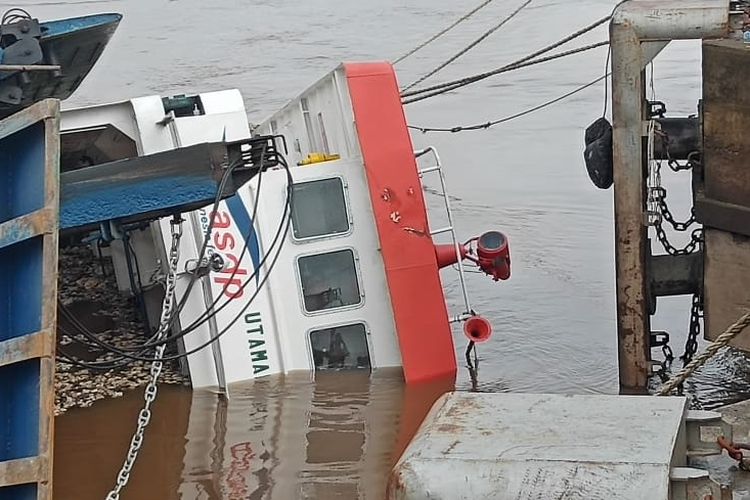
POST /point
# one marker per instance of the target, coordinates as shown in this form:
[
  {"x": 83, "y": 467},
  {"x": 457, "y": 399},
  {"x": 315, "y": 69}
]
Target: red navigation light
[
  {"x": 446, "y": 254},
  {"x": 493, "y": 255},
  {"x": 477, "y": 329}
]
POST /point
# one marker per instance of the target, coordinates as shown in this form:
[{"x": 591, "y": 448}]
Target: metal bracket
[
  {"x": 688, "y": 483},
  {"x": 673, "y": 275},
  {"x": 722, "y": 215},
  {"x": 21, "y": 43},
  {"x": 678, "y": 138},
  {"x": 702, "y": 430}
]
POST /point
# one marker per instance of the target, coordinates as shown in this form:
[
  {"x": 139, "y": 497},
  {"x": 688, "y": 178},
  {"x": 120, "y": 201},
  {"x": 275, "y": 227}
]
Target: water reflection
[{"x": 280, "y": 437}]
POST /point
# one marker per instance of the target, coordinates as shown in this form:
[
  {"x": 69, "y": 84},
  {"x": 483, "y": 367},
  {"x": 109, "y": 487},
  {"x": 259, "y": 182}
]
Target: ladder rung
[
  {"x": 429, "y": 169},
  {"x": 441, "y": 230}
]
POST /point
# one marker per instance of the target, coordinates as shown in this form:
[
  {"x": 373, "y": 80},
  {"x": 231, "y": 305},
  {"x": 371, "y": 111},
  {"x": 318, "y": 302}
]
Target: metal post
[
  {"x": 630, "y": 230},
  {"x": 639, "y": 30}
]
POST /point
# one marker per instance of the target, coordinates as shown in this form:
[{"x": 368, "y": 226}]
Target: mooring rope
[
  {"x": 461, "y": 82},
  {"x": 512, "y": 67},
  {"x": 470, "y": 46},
  {"x": 444, "y": 31},
  {"x": 492, "y": 123},
  {"x": 721, "y": 341}
]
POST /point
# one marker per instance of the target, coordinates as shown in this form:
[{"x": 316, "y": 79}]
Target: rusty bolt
[{"x": 410, "y": 191}]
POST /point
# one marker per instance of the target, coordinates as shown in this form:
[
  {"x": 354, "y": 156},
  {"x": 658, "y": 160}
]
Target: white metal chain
[{"x": 156, "y": 366}]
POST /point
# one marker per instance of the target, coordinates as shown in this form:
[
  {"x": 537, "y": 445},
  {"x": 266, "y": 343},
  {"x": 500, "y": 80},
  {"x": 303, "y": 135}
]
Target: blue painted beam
[{"x": 148, "y": 187}]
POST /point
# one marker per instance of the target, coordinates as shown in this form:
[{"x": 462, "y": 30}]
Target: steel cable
[
  {"x": 512, "y": 67},
  {"x": 462, "y": 82},
  {"x": 81, "y": 328},
  {"x": 444, "y": 31},
  {"x": 282, "y": 230},
  {"x": 486, "y": 125},
  {"x": 126, "y": 357},
  {"x": 470, "y": 46}
]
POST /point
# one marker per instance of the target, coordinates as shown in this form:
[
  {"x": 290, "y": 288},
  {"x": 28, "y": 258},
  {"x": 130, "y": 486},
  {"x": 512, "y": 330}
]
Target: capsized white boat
[{"x": 354, "y": 281}]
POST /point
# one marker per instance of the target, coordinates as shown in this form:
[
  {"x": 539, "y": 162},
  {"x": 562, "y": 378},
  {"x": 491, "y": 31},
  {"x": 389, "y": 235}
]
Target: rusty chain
[
  {"x": 693, "y": 159},
  {"x": 659, "y": 214},
  {"x": 691, "y": 344},
  {"x": 659, "y": 194},
  {"x": 696, "y": 238},
  {"x": 661, "y": 339}
]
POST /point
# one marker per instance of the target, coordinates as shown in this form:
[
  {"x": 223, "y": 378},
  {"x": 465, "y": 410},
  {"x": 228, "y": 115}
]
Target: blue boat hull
[{"x": 75, "y": 45}]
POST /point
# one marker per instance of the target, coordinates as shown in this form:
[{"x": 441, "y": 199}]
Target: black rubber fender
[{"x": 598, "y": 153}]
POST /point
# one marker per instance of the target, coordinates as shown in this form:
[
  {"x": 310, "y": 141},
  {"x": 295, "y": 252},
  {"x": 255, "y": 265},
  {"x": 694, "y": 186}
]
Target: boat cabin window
[
  {"x": 340, "y": 348},
  {"x": 329, "y": 280},
  {"x": 319, "y": 209}
]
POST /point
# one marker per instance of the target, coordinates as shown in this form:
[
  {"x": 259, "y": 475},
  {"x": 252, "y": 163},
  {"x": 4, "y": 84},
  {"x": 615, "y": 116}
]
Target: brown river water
[
  {"x": 281, "y": 437},
  {"x": 554, "y": 320}
]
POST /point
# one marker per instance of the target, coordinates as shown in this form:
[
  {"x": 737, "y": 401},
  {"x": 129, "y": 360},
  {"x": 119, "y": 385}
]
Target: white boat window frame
[
  {"x": 347, "y": 208},
  {"x": 339, "y": 324},
  {"x": 331, "y": 310}
]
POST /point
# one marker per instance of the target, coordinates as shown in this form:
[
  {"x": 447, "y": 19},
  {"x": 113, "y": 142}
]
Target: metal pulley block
[
  {"x": 19, "y": 42},
  {"x": 19, "y": 45}
]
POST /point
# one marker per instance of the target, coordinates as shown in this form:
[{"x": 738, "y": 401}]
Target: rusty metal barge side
[{"x": 29, "y": 205}]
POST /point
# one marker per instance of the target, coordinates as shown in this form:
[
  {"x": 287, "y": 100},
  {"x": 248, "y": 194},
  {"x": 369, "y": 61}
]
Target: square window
[
  {"x": 340, "y": 348},
  {"x": 329, "y": 280},
  {"x": 319, "y": 208}
]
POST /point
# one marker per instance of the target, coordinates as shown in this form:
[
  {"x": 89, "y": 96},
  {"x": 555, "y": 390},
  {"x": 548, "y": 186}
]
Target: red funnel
[{"x": 477, "y": 329}]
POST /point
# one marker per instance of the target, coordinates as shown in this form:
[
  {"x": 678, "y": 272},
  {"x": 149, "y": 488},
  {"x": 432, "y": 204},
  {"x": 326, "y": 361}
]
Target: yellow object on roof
[{"x": 313, "y": 158}]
